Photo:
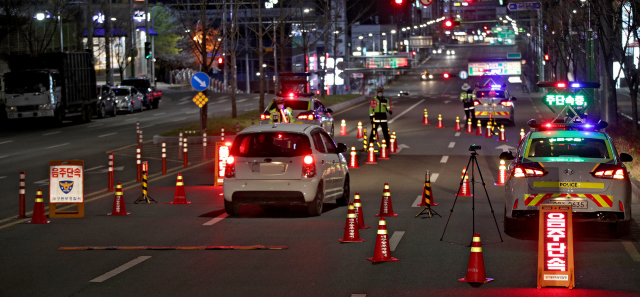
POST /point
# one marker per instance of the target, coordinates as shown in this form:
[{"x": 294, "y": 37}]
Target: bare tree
[{"x": 42, "y": 24}]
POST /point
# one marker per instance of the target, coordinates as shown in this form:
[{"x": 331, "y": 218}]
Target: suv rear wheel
[{"x": 315, "y": 207}]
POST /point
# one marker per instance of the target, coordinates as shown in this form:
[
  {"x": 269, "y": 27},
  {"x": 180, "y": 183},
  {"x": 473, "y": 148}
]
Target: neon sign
[
  {"x": 577, "y": 99},
  {"x": 556, "y": 242},
  {"x": 561, "y": 100}
]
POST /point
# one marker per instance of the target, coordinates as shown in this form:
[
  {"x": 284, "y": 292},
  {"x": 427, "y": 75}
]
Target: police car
[
  {"x": 285, "y": 164},
  {"x": 494, "y": 101},
  {"x": 576, "y": 163},
  {"x": 305, "y": 110}
]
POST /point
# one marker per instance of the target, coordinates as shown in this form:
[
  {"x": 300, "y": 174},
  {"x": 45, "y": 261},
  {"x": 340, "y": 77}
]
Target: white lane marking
[
  {"x": 444, "y": 159},
  {"x": 408, "y": 109},
  {"x": 54, "y": 146},
  {"x": 631, "y": 249},
  {"x": 434, "y": 177},
  {"x": 146, "y": 126},
  {"x": 395, "y": 239},
  {"x": 94, "y": 168},
  {"x": 241, "y": 100},
  {"x": 402, "y": 146},
  {"x": 358, "y": 295},
  {"x": 192, "y": 112},
  {"x": 96, "y": 125},
  {"x": 131, "y": 119},
  {"x": 47, "y": 134},
  {"x": 120, "y": 269},
  {"x": 221, "y": 101},
  {"x": 417, "y": 201},
  {"x": 157, "y": 114},
  {"x": 43, "y": 182},
  {"x": 537, "y": 111},
  {"x": 457, "y": 134},
  {"x": 180, "y": 119},
  {"x": 105, "y": 135},
  {"x": 183, "y": 102},
  {"x": 185, "y": 98},
  {"x": 446, "y": 101},
  {"x": 1, "y": 177},
  {"x": 452, "y": 144},
  {"x": 4, "y": 156},
  {"x": 215, "y": 220},
  {"x": 540, "y": 116},
  {"x": 227, "y": 109},
  {"x": 6, "y": 141},
  {"x": 186, "y": 109}
]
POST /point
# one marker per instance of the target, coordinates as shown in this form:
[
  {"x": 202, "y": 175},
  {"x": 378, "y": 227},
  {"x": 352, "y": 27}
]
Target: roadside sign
[
  {"x": 524, "y": 6},
  {"x": 66, "y": 186},
  {"x": 200, "y": 81},
  {"x": 200, "y": 99},
  {"x": 555, "y": 246},
  {"x": 514, "y": 56},
  {"x": 463, "y": 74},
  {"x": 222, "y": 152},
  {"x": 426, "y": 2}
]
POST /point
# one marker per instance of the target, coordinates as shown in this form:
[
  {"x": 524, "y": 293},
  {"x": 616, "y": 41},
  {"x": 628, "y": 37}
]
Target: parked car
[
  {"x": 128, "y": 99},
  {"x": 151, "y": 96},
  {"x": 106, "y": 102},
  {"x": 291, "y": 164}
]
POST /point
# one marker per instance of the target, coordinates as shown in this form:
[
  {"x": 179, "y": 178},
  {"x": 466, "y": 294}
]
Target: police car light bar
[
  {"x": 567, "y": 126},
  {"x": 563, "y": 84}
]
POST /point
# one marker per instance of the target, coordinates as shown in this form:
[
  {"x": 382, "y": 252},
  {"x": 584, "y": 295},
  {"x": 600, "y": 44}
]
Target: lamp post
[
  {"x": 393, "y": 45},
  {"x": 41, "y": 16}
]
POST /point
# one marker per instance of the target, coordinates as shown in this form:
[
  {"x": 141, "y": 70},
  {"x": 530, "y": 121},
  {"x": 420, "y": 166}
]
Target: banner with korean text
[{"x": 555, "y": 247}]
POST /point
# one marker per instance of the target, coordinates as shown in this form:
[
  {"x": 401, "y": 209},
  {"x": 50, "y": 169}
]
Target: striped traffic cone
[
  {"x": 382, "y": 252},
  {"x": 358, "y": 205},
  {"x": 427, "y": 192},
  {"x": 502, "y": 138},
  {"x": 360, "y": 134},
  {"x": 180, "y": 197},
  {"x": 118, "y": 203},
  {"x": 351, "y": 233},
  {"x": 479, "y": 128},
  {"x": 425, "y": 118},
  {"x": 395, "y": 142},
  {"x": 386, "y": 207},
  {"x": 489, "y": 133},
  {"x": 39, "y": 216},
  {"x": 383, "y": 151},
  {"x": 353, "y": 161},
  {"x": 521, "y": 135},
  {"x": 502, "y": 174},
  {"x": 469, "y": 127},
  {"x": 475, "y": 269},
  {"x": 465, "y": 190},
  {"x": 457, "y": 127},
  {"x": 372, "y": 155},
  {"x": 343, "y": 128},
  {"x": 440, "y": 126}
]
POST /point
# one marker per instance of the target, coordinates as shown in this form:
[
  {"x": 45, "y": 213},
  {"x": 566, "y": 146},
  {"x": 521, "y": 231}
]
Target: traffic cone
[
  {"x": 502, "y": 138},
  {"x": 457, "y": 127},
  {"x": 383, "y": 151},
  {"x": 392, "y": 145},
  {"x": 118, "y": 203},
  {"x": 502, "y": 174},
  {"x": 521, "y": 135},
  {"x": 395, "y": 142},
  {"x": 351, "y": 233},
  {"x": 343, "y": 128},
  {"x": 386, "y": 207},
  {"x": 358, "y": 205},
  {"x": 353, "y": 162},
  {"x": 465, "y": 190},
  {"x": 489, "y": 133},
  {"x": 427, "y": 186},
  {"x": 359, "y": 135},
  {"x": 39, "y": 216},
  {"x": 180, "y": 197},
  {"x": 382, "y": 252},
  {"x": 425, "y": 118},
  {"x": 372, "y": 155},
  {"x": 475, "y": 269},
  {"x": 440, "y": 126},
  {"x": 469, "y": 127},
  {"x": 479, "y": 128}
]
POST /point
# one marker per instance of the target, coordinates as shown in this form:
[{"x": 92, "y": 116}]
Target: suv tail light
[
  {"x": 308, "y": 167},
  {"x": 529, "y": 170},
  {"x": 265, "y": 116},
  {"x": 507, "y": 103},
  {"x": 230, "y": 168},
  {"x": 476, "y": 103},
  {"x": 608, "y": 172}
]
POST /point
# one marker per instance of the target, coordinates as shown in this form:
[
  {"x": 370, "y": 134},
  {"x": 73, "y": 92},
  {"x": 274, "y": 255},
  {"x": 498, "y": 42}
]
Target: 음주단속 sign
[{"x": 66, "y": 184}]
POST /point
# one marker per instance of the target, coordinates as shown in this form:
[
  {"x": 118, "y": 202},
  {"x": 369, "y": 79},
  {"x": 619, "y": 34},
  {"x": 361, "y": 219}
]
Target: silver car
[
  {"x": 128, "y": 99},
  {"x": 560, "y": 163},
  {"x": 494, "y": 101},
  {"x": 305, "y": 110}
]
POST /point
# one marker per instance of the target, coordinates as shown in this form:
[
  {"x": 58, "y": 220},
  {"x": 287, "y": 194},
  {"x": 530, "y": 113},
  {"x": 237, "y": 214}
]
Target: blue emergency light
[{"x": 563, "y": 84}]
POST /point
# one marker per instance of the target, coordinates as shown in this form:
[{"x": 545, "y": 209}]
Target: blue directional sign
[
  {"x": 463, "y": 74},
  {"x": 200, "y": 81},
  {"x": 524, "y": 6}
]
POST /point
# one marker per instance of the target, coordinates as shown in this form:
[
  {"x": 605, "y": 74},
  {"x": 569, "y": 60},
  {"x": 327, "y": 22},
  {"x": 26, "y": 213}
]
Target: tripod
[{"x": 473, "y": 164}]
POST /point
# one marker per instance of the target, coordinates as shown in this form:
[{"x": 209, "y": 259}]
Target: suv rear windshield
[
  {"x": 568, "y": 147},
  {"x": 293, "y": 104},
  {"x": 140, "y": 84},
  {"x": 271, "y": 144}
]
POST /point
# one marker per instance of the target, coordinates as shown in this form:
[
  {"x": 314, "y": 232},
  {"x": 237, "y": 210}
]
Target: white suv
[{"x": 293, "y": 164}]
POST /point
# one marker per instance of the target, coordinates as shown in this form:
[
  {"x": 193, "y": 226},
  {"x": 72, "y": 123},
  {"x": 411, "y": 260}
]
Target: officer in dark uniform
[{"x": 378, "y": 108}]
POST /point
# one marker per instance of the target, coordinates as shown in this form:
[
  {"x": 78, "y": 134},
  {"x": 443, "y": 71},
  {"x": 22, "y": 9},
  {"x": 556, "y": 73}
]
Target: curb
[{"x": 211, "y": 140}]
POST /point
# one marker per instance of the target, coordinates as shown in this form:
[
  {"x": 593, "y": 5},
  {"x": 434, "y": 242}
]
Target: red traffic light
[
  {"x": 445, "y": 75},
  {"x": 485, "y": 27},
  {"x": 220, "y": 60},
  {"x": 546, "y": 57},
  {"x": 448, "y": 23},
  {"x": 398, "y": 1},
  {"x": 414, "y": 53}
]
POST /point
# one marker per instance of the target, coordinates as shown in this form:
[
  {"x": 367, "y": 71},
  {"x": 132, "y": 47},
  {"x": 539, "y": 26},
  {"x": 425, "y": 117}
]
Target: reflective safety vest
[
  {"x": 382, "y": 105},
  {"x": 467, "y": 97},
  {"x": 281, "y": 115}
]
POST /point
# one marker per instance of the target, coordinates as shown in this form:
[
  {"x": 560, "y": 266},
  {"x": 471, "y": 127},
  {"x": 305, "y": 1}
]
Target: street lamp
[{"x": 41, "y": 16}]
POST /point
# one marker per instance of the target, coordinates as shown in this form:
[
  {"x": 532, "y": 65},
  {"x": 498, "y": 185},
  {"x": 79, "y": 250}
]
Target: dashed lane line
[
  {"x": 631, "y": 249},
  {"x": 457, "y": 134},
  {"x": 540, "y": 116},
  {"x": 157, "y": 114},
  {"x": 408, "y": 109},
  {"x": 395, "y": 239},
  {"x": 452, "y": 144},
  {"x": 90, "y": 126},
  {"x": 54, "y": 146},
  {"x": 52, "y": 133},
  {"x": 105, "y": 135},
  {"x": 6, "y": 141},
  {"x": 215, "y": 220},
  {"x": 444, "y": 159},
  {"x": 120, "y": 269},
  {"x": 183, "y": 102},
  {"x": 358, "y": 295}
]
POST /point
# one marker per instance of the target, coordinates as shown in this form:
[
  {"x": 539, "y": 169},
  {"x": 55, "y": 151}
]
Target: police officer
[
  {"x": 467, "y": 97},
  {"x": 283, "y": 115},
  {"x": 378, "y": 108}
]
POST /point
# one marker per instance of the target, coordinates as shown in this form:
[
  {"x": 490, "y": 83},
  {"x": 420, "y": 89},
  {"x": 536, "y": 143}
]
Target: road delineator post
[
  {"x": 359, "y": 134},
  {"x": 204, "y": 145},
  {"x": 140, "y": 140},
  {"x": 164, "y": 157},
  {"x": 180, "y": 197},
  {"x": 180, "y": 146},
  {"x": 383, "y": 151},
  {"x": 21, "y": 193},
  {"x": 222, "y": 134},
  {"x": 185, "y": 158},
  {"x": 137, "y": 131},
  {"x": 343, "y": 128},
  {"x": 353, "y": 161},
  {"x": 110, "y": 173},
  {"x": 457, "y": 127},
  {"x": 138, "y": 164},
  {"x": 386, "y": 207},
  {"x": 425, "y": 118},
  {"x": 395, "y": 142},
  {"x": 237, "y": 128},
  {"x": 475, "y": 269},
  {"x": 465, "y": 190},
  {"x": 382, "y": 252},
  {"x": 351, "y": 233},
  {"x": 502, "y": 137},
  {"x": 118, "y": 203},
  {"x": 440, "y": 126},
  {"x": 358, "y": 205},
  {"x": 39, "y": 216},
  {"x": 372, "y": 155},
  {"x": 479, "y": 128},
  {"x": 145, "y": 194},
  {"x": 469, "y": 127},
  {"x": 502, "y": 173}
]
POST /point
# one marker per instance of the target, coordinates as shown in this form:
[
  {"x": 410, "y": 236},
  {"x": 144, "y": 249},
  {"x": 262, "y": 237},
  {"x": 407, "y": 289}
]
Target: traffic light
[
  {"x": 220, "y": 61},
  {"x": 147, "y": 50},
  {"x": 445, "y": 75},
  {"x": 485, "y": 27},
  {"x": 451, "y": 23},
  {"x": 546, "y": 57},
  {"x": 398, "y": 2},
  {"x": 414, "y": 53}
]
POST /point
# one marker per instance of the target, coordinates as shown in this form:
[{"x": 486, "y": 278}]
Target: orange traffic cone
[
  {"x": 502, "y": 138},
  {"x": 475, "y": 269},
  {"x": 440, "y": 126},
  {"x": 521, "y": 135},
  {"x": 489, "y": 133},
  {"x": 502, "y": 174},
  {"x": 395, "y": 142},
  {"x": 479, "y": 128},
  {"x": 425, "y": 118},
  {"x": 351, "y": 233},
  {"x": 118, "y": 203},
  {"x": 343, "y": 128},
  {"x": 372, "y": 156},
  {"x": 39, "y": 216},
  {"x": 382, "y": 252},
  {"x": 383, "y": 151},
  {"x": 457, "y": 127},
  {"x": 465, "y": 191},
  {"x": 353, "y": 161},
  {"x": 360, "y": 134},
  {"x": 393, "y": 146},
  {"x": 469, "y": 127},
  {"x": 358, "y": 205},
  {"x": 386, "y": 207},
  {"x": 180, "y": 197}
]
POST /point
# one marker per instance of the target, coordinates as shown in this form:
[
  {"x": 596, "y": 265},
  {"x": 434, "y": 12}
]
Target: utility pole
[
  {"x": 134, "y": 51},
  {"x": 153, "y": 49},
  {"x": 147, "y": 36},
  {"x": 107, "y": 39},
  {"x": 224, "y": 45}
]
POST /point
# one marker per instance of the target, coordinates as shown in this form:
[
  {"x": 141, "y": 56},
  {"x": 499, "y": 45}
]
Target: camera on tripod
[{"x": 474, "y": 147}]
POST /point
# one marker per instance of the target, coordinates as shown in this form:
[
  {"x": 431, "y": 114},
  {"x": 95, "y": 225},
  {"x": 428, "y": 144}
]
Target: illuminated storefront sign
[
  {"x": 555, "y": 247},
  {"x": 495, "y": 68},
  {"x": 393, "y": 62}
]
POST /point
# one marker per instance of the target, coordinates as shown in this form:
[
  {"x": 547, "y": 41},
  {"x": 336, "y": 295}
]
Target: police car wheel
[{"x": 510, "y": 224}]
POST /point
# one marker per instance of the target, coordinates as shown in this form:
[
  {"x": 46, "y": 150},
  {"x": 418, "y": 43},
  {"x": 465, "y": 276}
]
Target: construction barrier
[
  {"x": 118, "y": 203},
  {"x": 382, "y": 252},
  {"x": 475, "y": 269},
  {"x": 351, "y": 233}
]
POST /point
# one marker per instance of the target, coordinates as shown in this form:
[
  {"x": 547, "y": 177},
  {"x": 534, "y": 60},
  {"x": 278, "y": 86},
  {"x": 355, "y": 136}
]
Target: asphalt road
[{"x": 314, "y": 263}]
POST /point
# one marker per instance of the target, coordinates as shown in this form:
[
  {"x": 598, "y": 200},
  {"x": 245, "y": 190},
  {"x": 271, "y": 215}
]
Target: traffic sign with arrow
[{"x": 200, "y": 81}]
